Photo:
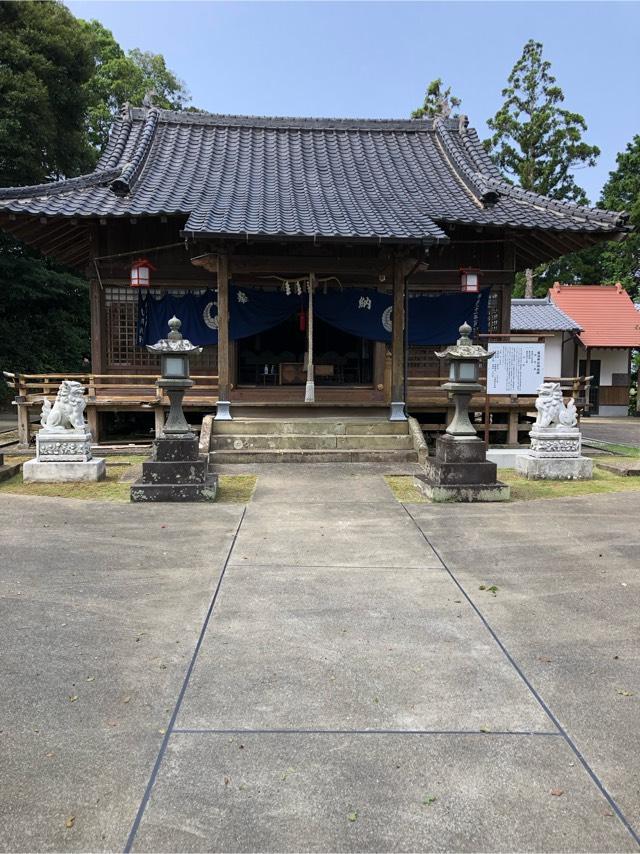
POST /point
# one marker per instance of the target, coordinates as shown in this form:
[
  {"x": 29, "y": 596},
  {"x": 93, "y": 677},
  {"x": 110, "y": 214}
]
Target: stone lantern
[
  {"x": 460, "y": 470},
  {"x": 465, "y": 359},
  {"x": 176, "y": 471}
]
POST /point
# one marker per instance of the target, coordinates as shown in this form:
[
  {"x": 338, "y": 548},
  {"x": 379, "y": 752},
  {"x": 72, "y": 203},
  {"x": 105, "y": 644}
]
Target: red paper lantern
[{"x": 141, "y": 273}]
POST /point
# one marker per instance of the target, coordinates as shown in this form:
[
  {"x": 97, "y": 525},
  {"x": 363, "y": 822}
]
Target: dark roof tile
[{"x": 299, "y": 177}]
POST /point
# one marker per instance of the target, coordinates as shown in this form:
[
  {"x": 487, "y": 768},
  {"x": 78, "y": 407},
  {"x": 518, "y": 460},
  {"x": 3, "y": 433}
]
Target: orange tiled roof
[{"x": 605, "y": 312}]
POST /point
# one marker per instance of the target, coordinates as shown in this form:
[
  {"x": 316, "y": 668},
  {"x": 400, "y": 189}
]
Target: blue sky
[{"x": 374, "y": 59}]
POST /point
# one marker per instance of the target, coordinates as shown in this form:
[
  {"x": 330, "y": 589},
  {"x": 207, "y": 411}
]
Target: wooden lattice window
[
  {"x": 423, "y": 362},
  {"x": 123, "y": 353}
]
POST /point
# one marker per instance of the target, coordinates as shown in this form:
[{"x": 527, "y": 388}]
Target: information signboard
[{"x": 515, "y": 368}]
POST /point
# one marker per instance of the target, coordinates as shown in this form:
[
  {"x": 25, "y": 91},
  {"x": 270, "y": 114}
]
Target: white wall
[
  {"x": 611, "y": 362},
  {"x": 553, "y": 356}
]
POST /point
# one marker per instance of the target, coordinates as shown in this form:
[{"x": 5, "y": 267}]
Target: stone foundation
[
  {"x": 554, "y": 468},
  {"x": 175, "y": 472},
  {"x": 460, "y": 472},
  {"x": 39, "y": 471}
]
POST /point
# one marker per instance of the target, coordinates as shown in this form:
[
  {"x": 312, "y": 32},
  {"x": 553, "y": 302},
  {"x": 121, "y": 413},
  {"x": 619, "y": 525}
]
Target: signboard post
[{"x": 513, "y": 369}]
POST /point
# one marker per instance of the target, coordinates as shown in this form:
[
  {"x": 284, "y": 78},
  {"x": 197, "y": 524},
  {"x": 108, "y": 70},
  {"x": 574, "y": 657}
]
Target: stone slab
[
  {"x": 567, "y": 610},
  {"x": 462, "y": 493},
  {"x": 351, "y": 648},
  {"x": 8, "y": 471},
  {"x": 554, "y": 468},
  {"x": 626, "y": 469},
  {"x": 175, "y": 450},
  {"x": 321, "y": 533},
  {"x": 450, "y": 450},
  {"x": 348, "y": 792},
  {"x": 206, "y": 490},
  {"x": 38, "y": 471},
  {"x": 504, "y": 458},
  {"x": 453, "y": 474},
  {"x": 102, "y": 604},
  {"x": 185, "y": 471}
]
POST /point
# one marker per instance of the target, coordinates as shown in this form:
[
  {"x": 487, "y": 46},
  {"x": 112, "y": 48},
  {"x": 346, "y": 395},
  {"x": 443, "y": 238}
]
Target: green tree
[
  {"x": 62, "y": 81},
  {"x": 435, "y": 96},
  {"x": 121, "y": 77},
  {"x": 44, "y": 313},
  {"x": 614, "y": 261},
  {"x": 536, "y": 142},
  {"x": 45, "y": 64}
]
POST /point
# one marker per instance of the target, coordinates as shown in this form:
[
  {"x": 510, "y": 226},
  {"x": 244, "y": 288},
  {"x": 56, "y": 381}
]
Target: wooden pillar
[
  {"x": 397, "y": 343},
  {"x": 98, "y": 326},
  {"x": 93, "y": 420},
  {"x": 24, "y": 426},
  {"x": 512, "y": 433},
  {"x": 508, "y": 263},
  {"x": 587, "y": 390},
  {"x": 224, "y": 356}
]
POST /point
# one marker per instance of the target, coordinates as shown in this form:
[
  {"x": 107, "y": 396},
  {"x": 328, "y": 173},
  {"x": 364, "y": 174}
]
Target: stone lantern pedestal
[
  {"x": 176, "y": 471},
  {"x": 460, "y": 470}
]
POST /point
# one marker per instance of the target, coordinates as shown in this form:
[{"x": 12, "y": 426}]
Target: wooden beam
[
  {"x": 223, "y": 327},
  {"x": 298, "y": 265}
]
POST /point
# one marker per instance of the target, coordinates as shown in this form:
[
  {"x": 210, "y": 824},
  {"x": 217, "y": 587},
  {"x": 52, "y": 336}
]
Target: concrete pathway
[
  {"x": 321, "y": 671},
  {"x": 616, "y": 430}
]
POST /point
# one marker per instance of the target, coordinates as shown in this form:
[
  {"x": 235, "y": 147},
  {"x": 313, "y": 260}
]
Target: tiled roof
[
  {"x": 605, "y": 313},
  {"x": 539, "y": 315},
  {"x": 291, "y": 177}
]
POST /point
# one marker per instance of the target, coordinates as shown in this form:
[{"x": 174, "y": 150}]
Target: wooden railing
[
  {"x": 104, "y": 392},
  {"x": 430, "y": 388}
]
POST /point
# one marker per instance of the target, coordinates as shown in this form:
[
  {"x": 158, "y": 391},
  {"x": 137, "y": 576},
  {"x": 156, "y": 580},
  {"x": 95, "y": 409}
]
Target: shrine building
[{"x": 336, "y": 252}]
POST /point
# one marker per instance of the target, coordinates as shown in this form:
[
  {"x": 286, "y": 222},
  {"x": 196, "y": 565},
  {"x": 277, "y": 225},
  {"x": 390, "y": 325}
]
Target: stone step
[
  {"x": 313, "y": 456},
  {"x": 304, "y": 441},
  {"x": 313, "y": 426}
]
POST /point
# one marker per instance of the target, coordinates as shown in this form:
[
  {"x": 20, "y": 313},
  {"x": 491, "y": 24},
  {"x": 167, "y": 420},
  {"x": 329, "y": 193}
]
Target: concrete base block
[
  {"x": 396, "y": 412},
  {"x": 554, "y": 468},
  {"x": 36, "y": 471},
  {"x": 204, "y": 491},
  {"x": 466, "y": 493},
  {"x": 504, "y": 458}
]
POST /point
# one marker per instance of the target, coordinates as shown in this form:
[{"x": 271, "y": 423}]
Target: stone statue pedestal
[
  {"x": 460, "y": 472},
  {"x": 175, "y": 472},
  {"x": 63, "y": 456},
  {"x": 555, "y": 455}
]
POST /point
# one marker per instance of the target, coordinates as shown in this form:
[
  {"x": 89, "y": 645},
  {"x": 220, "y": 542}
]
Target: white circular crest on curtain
[
  {"x": 210, "y": 321},
  {"x": 386, "y": 319}
]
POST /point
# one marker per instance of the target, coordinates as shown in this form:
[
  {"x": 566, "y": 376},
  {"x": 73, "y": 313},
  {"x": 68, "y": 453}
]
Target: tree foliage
[
  {"x": 44, "y": 312},
  {"x": 536, "y": 142},
  {"x": 45, "y": 67},
  {"x": 121, "y": 77},
  {"x": 435, "y": 96},
  {"x": 62, "y": 81},
  {"x": 612, "y": 261}
]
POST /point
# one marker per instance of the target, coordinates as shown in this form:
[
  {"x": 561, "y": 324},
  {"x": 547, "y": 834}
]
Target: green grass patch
[
  {"x": 236, "y": 488},
  {"x": 603, "y": 481},
  {"x": 404, "y": 489},
  {"x": 232, "y": 489},
  {"x": 620, "y": 450}
]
